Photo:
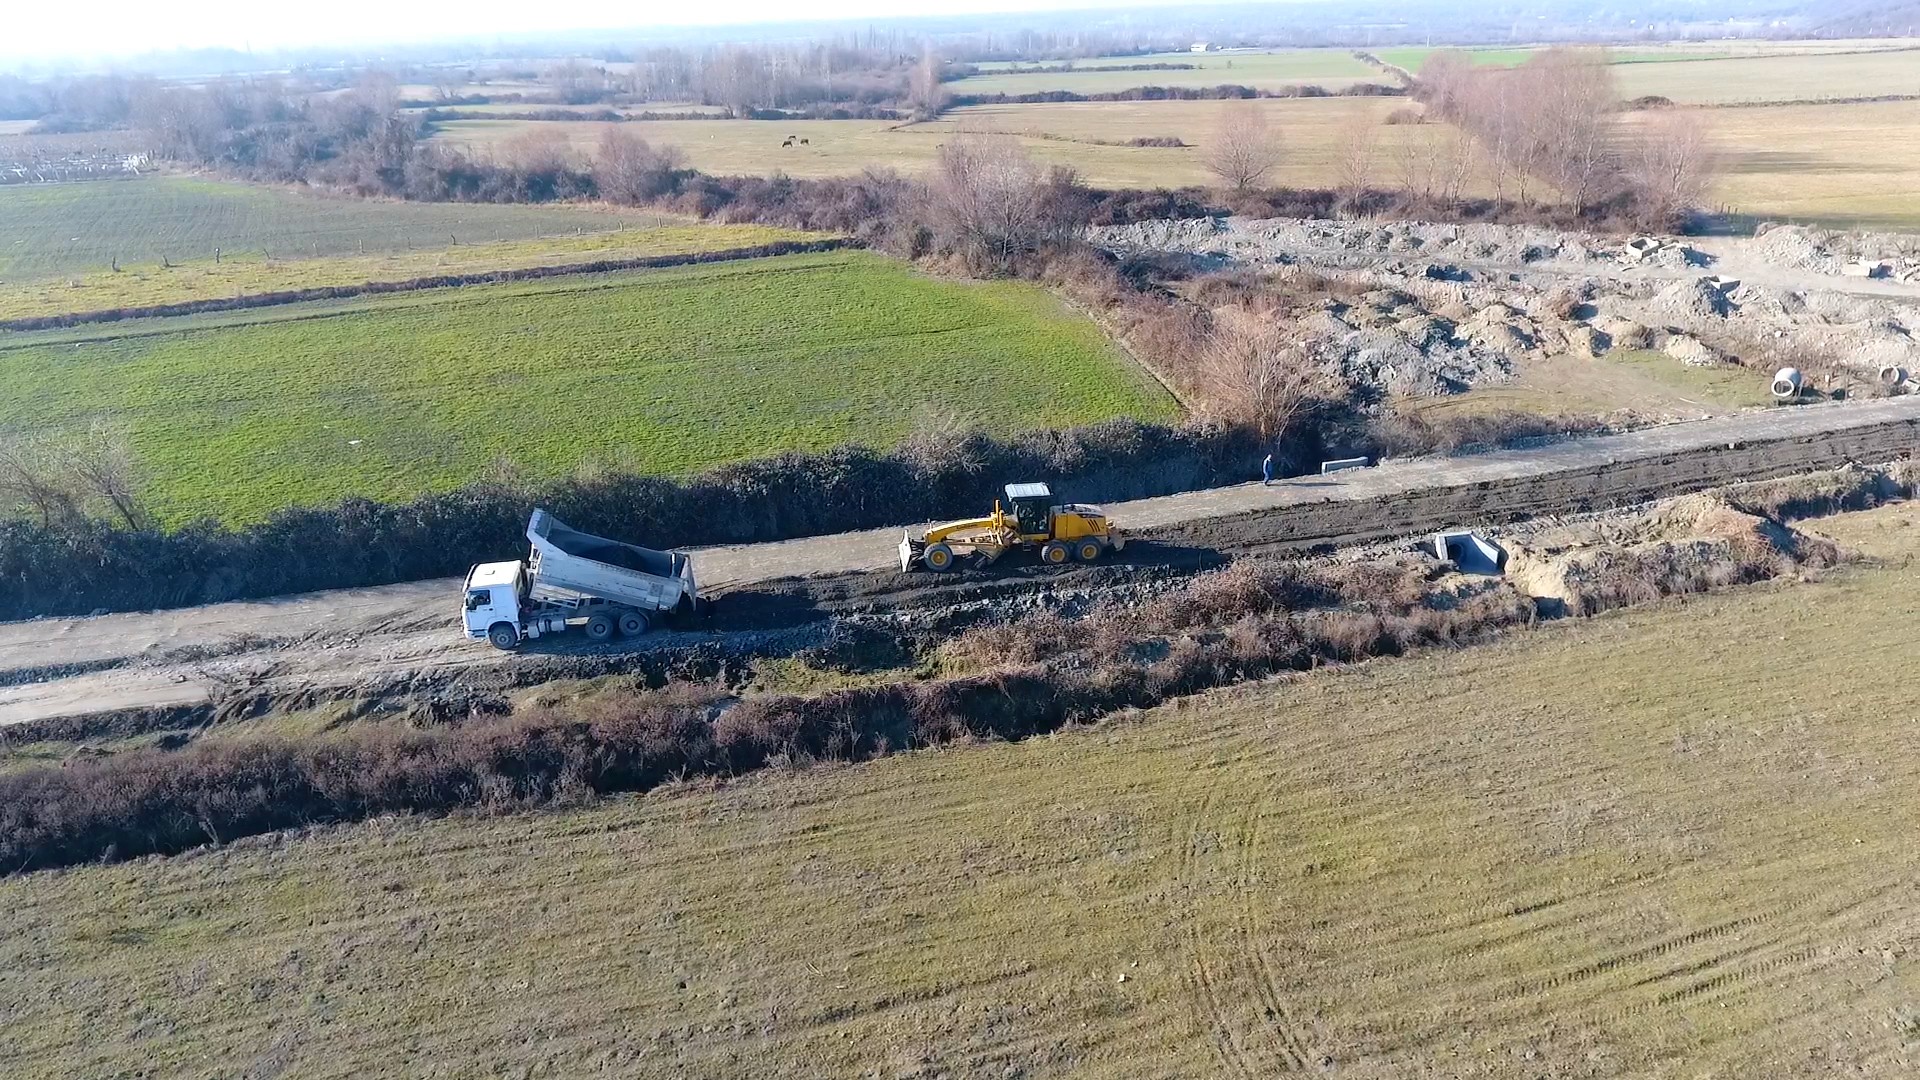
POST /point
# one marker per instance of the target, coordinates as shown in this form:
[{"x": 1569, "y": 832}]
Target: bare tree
[
  {"x": 32, "y": 478},
  {"x": 379, "y": 89},
  {"x": 448, "y": 82},
  {"x": 102, "y": 464},
  {"x": 1245, "y": 148},
  {"x": 1355, "y": 158},
  {"x": 1253, "y": 371},
  {"x": 992, "y": 203},
  {"x": 1574, "y": 101},
  {"x": 540, "y": 148},
  {"x": 924, "y": 91},
  {"x": 1454, "y": 167},
  {"x": 736, "y": 78},
  {"x": 578, "y": 84},
  {"x": 1671, "y": 164},
  {"x": 630, "y": 171},
  {"x": 1551, "y": 120},
  {"x": 1445, "y": 82}
]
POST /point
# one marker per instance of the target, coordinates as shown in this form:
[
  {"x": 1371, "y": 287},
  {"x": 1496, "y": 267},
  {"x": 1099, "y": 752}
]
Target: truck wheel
[
  {"x": 1055, "y": 553},
  {"x": 938, "y": 557},
  {"x": 599, "y": 627},
  {"x": 503, "y": 636},
  {"x": 1090, "y": 550},
  {"x": 633, "y": 623}
]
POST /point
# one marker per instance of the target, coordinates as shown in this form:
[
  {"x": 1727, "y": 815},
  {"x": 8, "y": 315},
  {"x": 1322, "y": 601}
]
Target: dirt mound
[
  {"x": 1688, "y": 544},
  {"x": 1418, "y": 357},
  {"x": 1796, "y": 247},
  {"x": 1853, "y": 254},
  {"x": 1687, "y": 302},
  {"x": 1691, "y": 351}
]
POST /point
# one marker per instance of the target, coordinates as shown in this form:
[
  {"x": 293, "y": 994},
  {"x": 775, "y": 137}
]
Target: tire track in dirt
[
  {"x": 1256, "y": 1038},
  {"x": 1292, "y": 1038},
  {"x": 1200, "y": 977}
]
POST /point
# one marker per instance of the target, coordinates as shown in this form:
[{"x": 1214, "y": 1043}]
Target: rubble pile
[{"x": 1452, "y": 307}]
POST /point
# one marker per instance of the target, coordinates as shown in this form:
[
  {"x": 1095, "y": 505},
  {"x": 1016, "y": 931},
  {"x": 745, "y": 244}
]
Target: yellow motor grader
[{"x": 1062, "y": 532}]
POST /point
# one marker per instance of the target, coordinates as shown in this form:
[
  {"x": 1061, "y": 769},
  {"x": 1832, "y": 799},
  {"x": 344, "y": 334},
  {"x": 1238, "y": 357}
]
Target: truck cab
[{"x": 494, "y": 596}]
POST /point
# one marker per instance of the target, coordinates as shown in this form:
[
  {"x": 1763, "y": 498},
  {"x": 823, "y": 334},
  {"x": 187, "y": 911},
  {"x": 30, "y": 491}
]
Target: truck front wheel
[
  {"x": 599, "y": 627},
  {"x": 503, "y": 636}
]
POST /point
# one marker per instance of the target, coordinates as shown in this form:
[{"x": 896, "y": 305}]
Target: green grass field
[
  {"x": 1411, "y": 57},
  {"x": 1264, "y": 69},
  {"x": 1691, "y": 72},
  {"x": 1668, "y": 842},
  {"x": 669, "y": 371},
  {"x": 59, "y": 229},
  {"x": 245, "y": 273}
]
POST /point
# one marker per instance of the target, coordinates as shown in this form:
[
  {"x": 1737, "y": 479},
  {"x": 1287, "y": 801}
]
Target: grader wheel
[
  {"x": 1089, "y": 550},
  {"x": 1055, "y": 553},
  {"x": 938, "y": 557}
]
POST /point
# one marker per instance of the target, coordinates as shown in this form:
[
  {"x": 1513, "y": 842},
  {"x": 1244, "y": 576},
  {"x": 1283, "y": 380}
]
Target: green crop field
[
  {"x": 1412, "y": 57},
  {"x": 667, "y": 371},
  {"x": 244, "y": 273},
  {"x": 1667, "y": 842},
  {"x": 57, "y": 229},
  {"x": 1263, "y": 69}
]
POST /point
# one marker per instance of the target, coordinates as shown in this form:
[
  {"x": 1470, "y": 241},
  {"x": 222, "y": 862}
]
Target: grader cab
[{"x": 1062, "y": 532}]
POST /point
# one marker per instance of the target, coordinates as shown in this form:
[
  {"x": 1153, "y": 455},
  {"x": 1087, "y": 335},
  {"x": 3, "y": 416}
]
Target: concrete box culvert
[{"x": 1470, "y": 552}]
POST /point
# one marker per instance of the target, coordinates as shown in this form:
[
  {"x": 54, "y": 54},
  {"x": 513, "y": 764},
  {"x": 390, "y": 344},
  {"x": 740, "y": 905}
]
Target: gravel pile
[
  {"x": 1690, "y": 300},
  {"x": 1358, "y": 244},
  {"x": 1797, "y": 247}
]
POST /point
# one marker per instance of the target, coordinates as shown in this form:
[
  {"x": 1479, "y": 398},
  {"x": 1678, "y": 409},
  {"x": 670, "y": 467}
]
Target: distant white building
[{"x": 1199, "y": 46}]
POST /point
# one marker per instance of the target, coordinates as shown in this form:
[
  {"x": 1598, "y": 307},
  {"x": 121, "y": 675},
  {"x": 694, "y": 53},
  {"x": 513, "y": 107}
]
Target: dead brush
[
  {"x": 1386, "y": 586},
  {"x": 1247, "y": 586},
  {"x": 1031, "y": 638}
]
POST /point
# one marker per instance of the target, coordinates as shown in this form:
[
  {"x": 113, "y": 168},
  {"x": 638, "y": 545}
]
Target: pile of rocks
[
  {"x": 1846, "y": 254},
  {"x": 1354, "y": 244}
]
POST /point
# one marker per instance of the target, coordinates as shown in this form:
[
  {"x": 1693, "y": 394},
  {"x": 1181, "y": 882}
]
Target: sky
[{"x": 49, "y": 29}]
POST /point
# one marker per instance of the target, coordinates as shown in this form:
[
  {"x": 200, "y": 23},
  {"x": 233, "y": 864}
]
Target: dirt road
[{"x": 328, "y": 644}]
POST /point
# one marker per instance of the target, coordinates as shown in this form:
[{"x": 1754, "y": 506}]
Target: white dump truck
[{"x": 573, "y": 579}]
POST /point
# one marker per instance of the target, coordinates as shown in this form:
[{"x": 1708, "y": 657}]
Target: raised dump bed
[{"x": 572, "y": 578}]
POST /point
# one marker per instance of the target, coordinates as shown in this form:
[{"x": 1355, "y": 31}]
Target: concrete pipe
[
  {"x": 1892, "y": 375},
  {"x": 1786, "y": 383}
]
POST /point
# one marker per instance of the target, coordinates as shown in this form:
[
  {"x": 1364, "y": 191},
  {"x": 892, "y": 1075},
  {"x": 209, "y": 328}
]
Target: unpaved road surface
[{"x": 329, "y": 644}]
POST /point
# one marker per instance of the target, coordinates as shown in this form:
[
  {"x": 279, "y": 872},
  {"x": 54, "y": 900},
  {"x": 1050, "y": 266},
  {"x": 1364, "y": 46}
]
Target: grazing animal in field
[
  {"x": 789, "y": 141},
  {"x": 803, "y": 142}
]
